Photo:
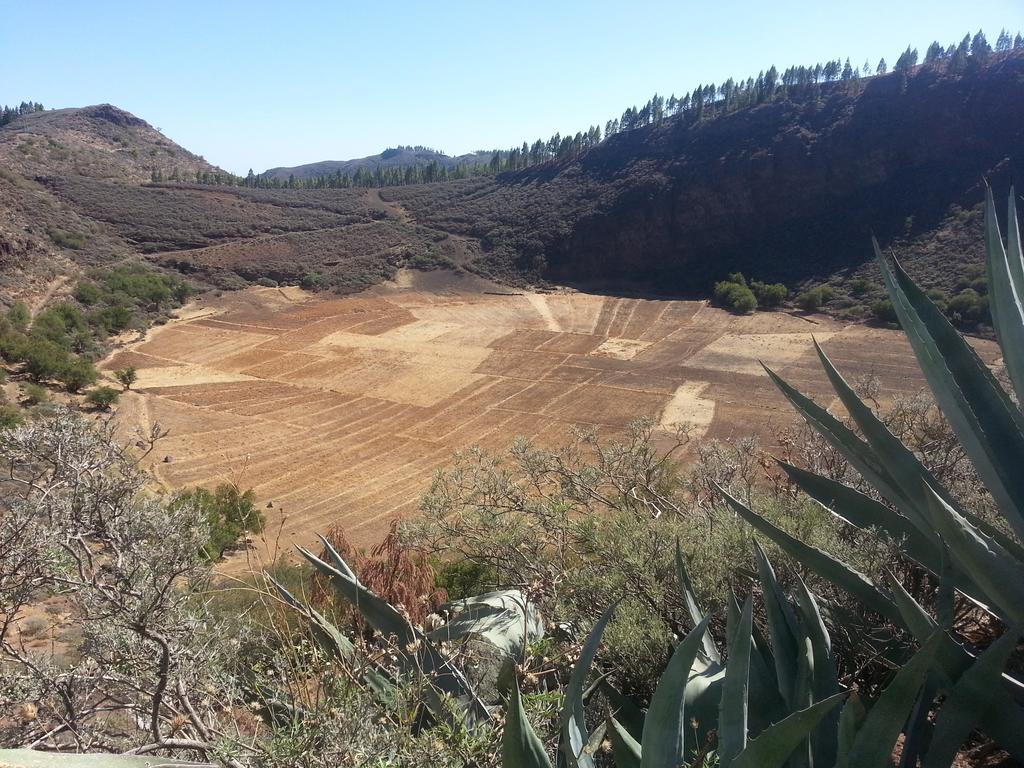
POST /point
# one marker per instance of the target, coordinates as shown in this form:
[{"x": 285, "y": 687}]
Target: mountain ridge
[{"x": 393, "y": 157}]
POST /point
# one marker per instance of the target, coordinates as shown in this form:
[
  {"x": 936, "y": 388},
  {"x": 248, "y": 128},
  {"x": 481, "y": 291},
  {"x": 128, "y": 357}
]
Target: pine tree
[
  {"x": 980, "y": 49},
  {"x": 906, "y": 61},
  {"x": 882, "y": 67},
  {"x": 1018, "y": 42}
]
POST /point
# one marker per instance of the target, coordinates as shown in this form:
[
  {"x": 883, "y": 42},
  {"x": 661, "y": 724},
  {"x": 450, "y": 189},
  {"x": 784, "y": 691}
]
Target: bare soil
[{"x": 341, "y": 410}]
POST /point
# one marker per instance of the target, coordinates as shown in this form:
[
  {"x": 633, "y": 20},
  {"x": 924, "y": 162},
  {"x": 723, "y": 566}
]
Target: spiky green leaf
[
  {"x": 665, "y": 727},
  {"x": 822, "y": 563},
  {"x": 970, "y": 699},
  {"x": 990, "y": 427},
  {"x": 1006, "y": 288},
  {"x": 520, "y": 745},
  {"x": 876, "y": 738},
  {"x": 989, "y": 565},
  {"x": 693, "y": 607},
  {"x": 777, "y": 743},
  {"x": 625, "y": 749},
  {"x": 732, "y": 717},
  {"x": 574, "y": 734}
]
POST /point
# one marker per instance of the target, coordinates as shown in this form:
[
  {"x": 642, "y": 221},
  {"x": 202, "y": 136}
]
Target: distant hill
[
  {"x": 396, "y": 157},
  {"x": 100, "y": 141},
  {"x": 42, "y": 236},
  {"x": 789, "y": 188}
]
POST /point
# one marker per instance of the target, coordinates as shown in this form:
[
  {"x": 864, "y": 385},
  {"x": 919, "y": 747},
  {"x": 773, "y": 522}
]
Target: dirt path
[
  {"x": 40, "y": 302},
  {"x": 392, "y": 206}
]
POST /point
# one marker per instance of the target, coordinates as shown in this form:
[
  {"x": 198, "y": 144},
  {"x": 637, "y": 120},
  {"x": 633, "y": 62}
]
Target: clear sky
[{"x": 261, "y": 84}]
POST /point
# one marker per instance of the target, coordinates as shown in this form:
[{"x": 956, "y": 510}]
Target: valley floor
[{"x": 340, "y": 410}]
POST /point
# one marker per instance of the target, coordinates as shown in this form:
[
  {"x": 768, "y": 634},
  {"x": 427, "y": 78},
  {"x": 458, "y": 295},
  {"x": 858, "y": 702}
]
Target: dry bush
[{"x": 400, "y": 575}]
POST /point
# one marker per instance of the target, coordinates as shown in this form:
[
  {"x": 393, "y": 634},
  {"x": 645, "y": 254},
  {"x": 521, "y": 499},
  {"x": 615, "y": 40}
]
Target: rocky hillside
[
  {"x": 42, "y": 237},
  {"x": 788, "y": 190}
]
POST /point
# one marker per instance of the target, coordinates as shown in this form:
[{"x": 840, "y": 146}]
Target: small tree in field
[
  {"x": 126, "y": 376},
  {"x": 102, "y": 397}
]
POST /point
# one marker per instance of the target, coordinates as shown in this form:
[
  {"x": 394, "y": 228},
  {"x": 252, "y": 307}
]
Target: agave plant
[
  {"x": 965, "y": 554},
  {"x": 774, "y": 704},
  {"x": 505, "y": 620}
]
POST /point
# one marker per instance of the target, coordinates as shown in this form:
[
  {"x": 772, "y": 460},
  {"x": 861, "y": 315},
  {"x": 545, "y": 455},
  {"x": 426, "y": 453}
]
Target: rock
[{"x": 168, "y": 459}]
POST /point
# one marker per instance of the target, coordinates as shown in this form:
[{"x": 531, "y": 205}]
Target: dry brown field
[{"x": 340, "y": 410}]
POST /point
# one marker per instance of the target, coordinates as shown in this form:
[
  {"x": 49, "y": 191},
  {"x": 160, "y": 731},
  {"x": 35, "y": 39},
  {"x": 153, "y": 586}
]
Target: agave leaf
[
  {"x": 822, "y": 563},
  {"x": 732, "y": 718},
  {"x": 574, "y": 734},
  {"x": 31, "y": 758},
  {"x": 444, "y": 677},
  {"x": 701, "y": 699},
  {"x": 776, "y": 744},
  {"x": 988, "y": 424},
  {"x": 970, "y": 699},
  {"x": 693, "y": 607},
  {"x": 846, "y": 441},
  {"x": 625, "y": 748},
  {"x": 782, "y": 626},
  {"x": 664, "y": 737},
  {"x": 765, "y": 702},
  {"x": 505, "y": 619},
  {"x": 873, "y": 745},
  {"x": 900, "y": 463},
  {"x": 328, "y": 636},
  {"x": 331, "y": 639},
  {"x": 850, "y": 721},
  {"x": 520, "y": 745},
  {"x": 990, "y": 566},
  {"x": 824, "y": 681},
  {"x": 338, "y": 560},
  {"x": 1004, "y": 720},
  {"x": 625, "y": 711},
  {"x": 1006, "y": 288},
  {"x": 860, "y": 510}
]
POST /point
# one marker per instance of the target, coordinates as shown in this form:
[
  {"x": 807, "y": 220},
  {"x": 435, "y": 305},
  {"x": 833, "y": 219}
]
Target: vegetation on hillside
[
  {"x": 7, "y": 114},
  {"x": 62, "y": 341}
]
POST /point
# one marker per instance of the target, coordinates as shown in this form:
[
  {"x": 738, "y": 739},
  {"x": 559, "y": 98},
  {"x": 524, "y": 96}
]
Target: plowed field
[{"x": 341, "y": 410}]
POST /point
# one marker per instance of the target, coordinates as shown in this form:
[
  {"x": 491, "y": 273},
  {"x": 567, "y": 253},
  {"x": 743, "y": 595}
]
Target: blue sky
[{"x": 260, "y": 84}]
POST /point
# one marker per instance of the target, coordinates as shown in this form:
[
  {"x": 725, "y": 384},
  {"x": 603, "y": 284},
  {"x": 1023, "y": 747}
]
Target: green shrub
[
  {"x": 861, "y": 286},
  {"x": 64, "y": 239},
  {"x": 10, "y": 416},
  {"x": 464, "y": 578},
  {"x": 126, "y": 376},
  {"x": 88, "y": 293},
  {"x": 266, "y": 282},
  {"x": 312, "y": 281},
  {"x": 43, "y": 359},
  {"x": 968, "y": 308},
  {"x": 102, "y": 397},
  {"x": 19, "y": 316},
  {"x": 115, "y": 318},
  {"x": 34, "y": 394},
  {"x": 230, "y": 513},
  {"x": 735, "y": 296},
  {"x": 737, "y": 277},
  {"x": 884, "y": 311},
  {"x": 769, "y": 294},
  {"x": 78, "y": 373},
  {"x": 812, "y": 299}
]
